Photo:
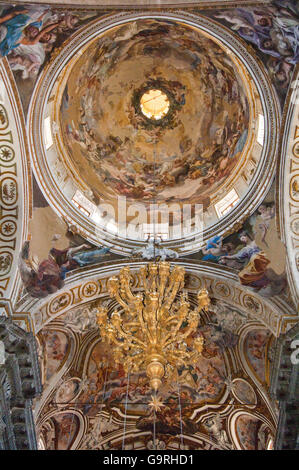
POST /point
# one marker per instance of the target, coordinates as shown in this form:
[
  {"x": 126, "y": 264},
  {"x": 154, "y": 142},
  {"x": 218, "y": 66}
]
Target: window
[
  {"x": 270, "y": 444},
  {"x": 154, "y": 104},
  {"x": 48, "y": 133},
  {"x": 81, "y": 208},
  {"x": 227, "y": 203},
  {"x": 261, "y": 130},
  {"x": 157, "y": 230}
]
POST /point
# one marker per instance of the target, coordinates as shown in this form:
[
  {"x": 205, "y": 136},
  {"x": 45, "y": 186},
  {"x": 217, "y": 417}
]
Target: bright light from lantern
[{"x": 154, "y": 104}]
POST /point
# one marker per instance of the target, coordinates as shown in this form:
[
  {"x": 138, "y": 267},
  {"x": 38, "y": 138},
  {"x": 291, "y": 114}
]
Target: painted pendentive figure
[{"x": 49, "y": 275}]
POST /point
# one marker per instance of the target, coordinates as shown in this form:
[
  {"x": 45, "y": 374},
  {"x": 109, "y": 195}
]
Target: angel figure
[
  {"x": 214, "y": 426},
  {"x": 215, "y": 248},
  {"x": 266, "y": 213},
  {"x": 48, "y": 276},
  {"x": 82, "y": 320}
]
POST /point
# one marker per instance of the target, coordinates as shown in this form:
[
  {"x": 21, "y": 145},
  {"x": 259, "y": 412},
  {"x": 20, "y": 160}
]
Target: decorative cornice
[
  {"x": 21, "y": 319},
  {"x": 143, "y": 5}
]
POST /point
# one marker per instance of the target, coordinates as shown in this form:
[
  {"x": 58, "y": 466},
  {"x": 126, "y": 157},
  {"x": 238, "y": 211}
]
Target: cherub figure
[{"x": 267, "y": 213}]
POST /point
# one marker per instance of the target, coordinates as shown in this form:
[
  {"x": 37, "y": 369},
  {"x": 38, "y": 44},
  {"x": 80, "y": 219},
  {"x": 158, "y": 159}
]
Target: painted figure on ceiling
[
  {"x": 274, "y": 30},
  {"x": 215, "y": 249},
  {"x": 256, "y": 272},
  {"x": 25, "y": 41},
  {"x": 260, "y": 258},
  {"x": 250, "y": 252},
  {"x": 15, "y": 28},
  {"x": 267, "y": 213},
  {"x": 48, "y": 276},
  {"x": 28, "y": 34}
]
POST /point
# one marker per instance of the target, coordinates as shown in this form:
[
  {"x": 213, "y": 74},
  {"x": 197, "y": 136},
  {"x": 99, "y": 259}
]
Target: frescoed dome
[{"x": 115, "y": 142}]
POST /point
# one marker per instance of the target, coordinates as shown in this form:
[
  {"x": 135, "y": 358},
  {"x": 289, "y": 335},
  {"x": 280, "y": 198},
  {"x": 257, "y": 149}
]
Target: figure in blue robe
[
  {"x": 241, "y": 142},
  {"x": 11, "y": 30},
  {"x": 86, "y": 258},
  {"x": 213, "y": 249},
  {"x": 12, "y": 24}
]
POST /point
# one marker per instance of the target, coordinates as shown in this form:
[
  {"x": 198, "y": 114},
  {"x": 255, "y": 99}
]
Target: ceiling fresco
[
  {"x": 256, "y": 344},
  {"x": 30, "y": 33},
  {"x": 255, "y": 252},
  {"x": 270, "y": 29},
  {"x": 168, "y": 106}
]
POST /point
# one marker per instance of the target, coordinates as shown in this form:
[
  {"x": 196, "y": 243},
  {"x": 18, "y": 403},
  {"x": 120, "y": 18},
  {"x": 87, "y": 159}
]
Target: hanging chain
[
  {"x": 181, "y": 423},
  {"x": 155, "y": 154},
  {"x": 104, "y": 391},
  {"x": 69, "y": 439},
  {"x": 154, "y": 434},
  {"x": 126, "y": 406}
]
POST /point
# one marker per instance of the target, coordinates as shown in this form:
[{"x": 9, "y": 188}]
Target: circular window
[{"x": 154, "y": 104}]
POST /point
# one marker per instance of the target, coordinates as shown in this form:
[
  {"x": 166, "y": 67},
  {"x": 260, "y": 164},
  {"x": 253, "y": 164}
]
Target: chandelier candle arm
[
  {"x": 176, "y": 283},
  {"x": 164, "y": 273},
  {"x": 125, "y": 280},
  {"x": 143, "y": 274},
  {"x": 140, "y": 318},
  {"x": 113, "y": 290},
  {"x": 172, "y": 337},
  {"x": 132, "y": 324},
  {"x": 129, "y": 337}
]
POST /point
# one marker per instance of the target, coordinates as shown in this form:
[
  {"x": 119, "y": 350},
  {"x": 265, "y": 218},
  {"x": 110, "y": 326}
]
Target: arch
[
  {"x": 15, "y": 184},
  {"x": 288, "y": 186}
]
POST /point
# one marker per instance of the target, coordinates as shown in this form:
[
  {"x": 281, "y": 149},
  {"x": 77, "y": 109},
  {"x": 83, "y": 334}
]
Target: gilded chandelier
[{"x": 155, "y": 333}]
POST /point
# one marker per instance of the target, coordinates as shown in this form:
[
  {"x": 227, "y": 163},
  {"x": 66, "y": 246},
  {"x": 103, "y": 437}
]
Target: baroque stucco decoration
[
  {"x": 288, "y": 189},
  {"x": 15, "y": 183},
  {"x": 90, "y": 284}
]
